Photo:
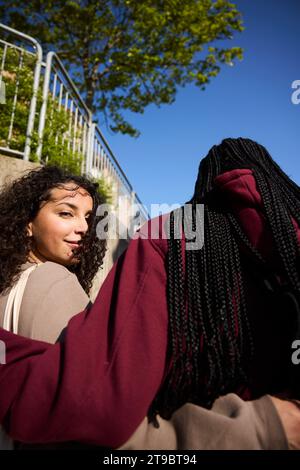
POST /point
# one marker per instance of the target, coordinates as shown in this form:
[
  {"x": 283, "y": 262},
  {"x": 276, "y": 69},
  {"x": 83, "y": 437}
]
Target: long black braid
[{"x": 210, "y": 337}]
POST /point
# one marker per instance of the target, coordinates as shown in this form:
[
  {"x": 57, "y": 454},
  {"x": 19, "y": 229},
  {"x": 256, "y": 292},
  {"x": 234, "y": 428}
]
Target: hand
[{"x": 289, "y": 413}]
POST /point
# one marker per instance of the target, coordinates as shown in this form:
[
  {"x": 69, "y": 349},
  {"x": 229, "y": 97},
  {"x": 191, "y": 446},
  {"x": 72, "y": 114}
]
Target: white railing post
[
  {"x": 90, "y": 148},
  {"x": 43, "y": 110},
  {"x": 31, "y": 117}
]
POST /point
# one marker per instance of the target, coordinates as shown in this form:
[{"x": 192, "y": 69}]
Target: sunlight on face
[{"x": 60, "y": 225}]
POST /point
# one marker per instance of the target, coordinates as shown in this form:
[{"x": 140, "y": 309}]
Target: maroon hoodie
[{"x": 96, "y": 386}]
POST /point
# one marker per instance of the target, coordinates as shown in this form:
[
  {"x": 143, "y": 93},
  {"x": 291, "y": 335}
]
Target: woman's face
[{"x": 60, "y": 225}]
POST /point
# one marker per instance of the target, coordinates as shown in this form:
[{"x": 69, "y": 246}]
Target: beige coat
[{"x": 52, "y": 296}]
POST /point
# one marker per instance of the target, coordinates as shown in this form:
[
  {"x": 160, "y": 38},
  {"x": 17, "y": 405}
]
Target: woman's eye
[{"x": 66, "y": 214}]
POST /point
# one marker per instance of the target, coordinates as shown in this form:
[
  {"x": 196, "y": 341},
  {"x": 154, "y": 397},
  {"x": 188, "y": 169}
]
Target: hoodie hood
[{"x": 239, "y": 192}]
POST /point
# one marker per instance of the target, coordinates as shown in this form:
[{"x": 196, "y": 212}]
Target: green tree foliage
[{"x": 127, "y": 54}]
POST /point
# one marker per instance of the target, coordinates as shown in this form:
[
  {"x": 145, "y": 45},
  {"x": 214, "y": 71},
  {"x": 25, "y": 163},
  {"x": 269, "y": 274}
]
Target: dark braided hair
[
  {"x": 210, "y": 337},
  {"x": 20, "y": 202}
]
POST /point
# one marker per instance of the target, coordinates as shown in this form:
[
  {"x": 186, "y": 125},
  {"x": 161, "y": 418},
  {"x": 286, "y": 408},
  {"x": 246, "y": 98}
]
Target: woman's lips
[{"x": 73, "y": 245}]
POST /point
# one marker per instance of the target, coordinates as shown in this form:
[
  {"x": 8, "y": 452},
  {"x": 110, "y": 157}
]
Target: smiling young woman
[
  {"x": 48, "y": 222},
  {"x": 60, "y": 226}
]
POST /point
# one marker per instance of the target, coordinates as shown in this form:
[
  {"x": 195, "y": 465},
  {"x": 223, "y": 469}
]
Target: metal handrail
[
  {"x": 114, "y": 160},
  {"x": 52, "y": 57},
  {"x": 36, "y": 79}
]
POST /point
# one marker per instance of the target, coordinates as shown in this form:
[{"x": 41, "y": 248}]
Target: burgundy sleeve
[{"x": 97, "y": 385}]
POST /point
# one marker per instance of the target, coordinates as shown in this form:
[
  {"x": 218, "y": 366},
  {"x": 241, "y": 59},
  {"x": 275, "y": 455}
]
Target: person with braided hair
[
  {"x": 252, "y": 238},
  {"x": 173, "y": 325}
]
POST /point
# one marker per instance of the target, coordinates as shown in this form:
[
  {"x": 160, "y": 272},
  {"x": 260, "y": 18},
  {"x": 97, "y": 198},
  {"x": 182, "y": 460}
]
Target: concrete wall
[{"x": 11, "y": 168}]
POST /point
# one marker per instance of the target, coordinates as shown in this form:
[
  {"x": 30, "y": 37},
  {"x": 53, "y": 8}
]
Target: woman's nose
[{"x": 82, "y": 225}]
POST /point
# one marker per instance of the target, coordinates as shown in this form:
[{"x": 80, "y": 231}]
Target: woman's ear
[{"x": 29, "y": 229}]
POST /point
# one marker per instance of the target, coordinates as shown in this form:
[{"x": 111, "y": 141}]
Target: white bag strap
[{"x": 12, "y": 309}]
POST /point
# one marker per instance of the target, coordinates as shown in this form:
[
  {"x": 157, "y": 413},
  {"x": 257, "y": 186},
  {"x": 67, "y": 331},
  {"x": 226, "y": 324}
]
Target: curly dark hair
[{"x": 20, "y": 202}]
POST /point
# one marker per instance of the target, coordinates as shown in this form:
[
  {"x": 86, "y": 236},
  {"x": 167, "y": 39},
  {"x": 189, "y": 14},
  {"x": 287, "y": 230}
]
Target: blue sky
[{"x": 251, "y": 99}]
